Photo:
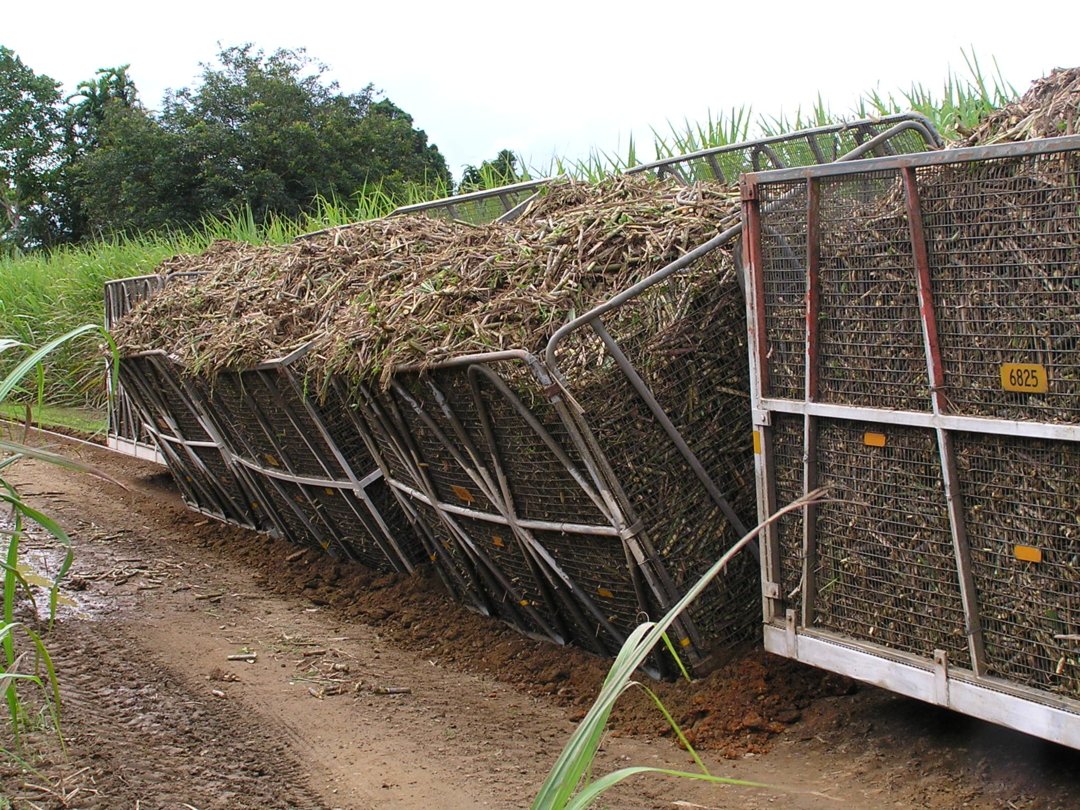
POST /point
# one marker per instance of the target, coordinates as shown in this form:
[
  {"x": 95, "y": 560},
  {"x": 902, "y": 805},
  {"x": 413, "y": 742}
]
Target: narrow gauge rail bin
[
  {"x": 915, "y": 348},
  {"x": 317, "y": 492},
  {"x": 125, "y": 431},
  {"x": 574, "y": 527},
  {"x": 168, "y": 413}
]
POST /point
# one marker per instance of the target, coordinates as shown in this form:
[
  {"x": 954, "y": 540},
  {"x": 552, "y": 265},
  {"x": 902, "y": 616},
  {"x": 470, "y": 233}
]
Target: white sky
[{"x": 558, "y": 77}]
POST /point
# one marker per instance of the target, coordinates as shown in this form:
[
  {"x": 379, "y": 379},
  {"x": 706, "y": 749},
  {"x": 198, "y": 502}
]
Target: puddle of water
[{"x": 32, "y": 577}]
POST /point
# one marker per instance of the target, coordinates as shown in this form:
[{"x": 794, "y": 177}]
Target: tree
[
  {"x": 501, "y": 171},
  {"x": 270, "y": 133},
  {"x": 29, "y": 151},
  {"x": 137, "y": 177},
  {"x": 86, "y": 108}
]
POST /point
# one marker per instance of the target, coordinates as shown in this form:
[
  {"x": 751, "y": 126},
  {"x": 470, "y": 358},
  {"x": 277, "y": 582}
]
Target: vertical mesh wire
[
  {"x": 540, "y": 484},
  {"x": 452, "y": 482},
  {"x": 456, "y": 487},
  {"x": 1024, "y": 493},
  {"x": 543, "y": 489},
  {"x": 1004, "y": 242},
  {"x": 783, "y": 270},
  {"x": 787, "y": 453},
  {"x": 273, "y": 428},
  {"x": 886, "y": 570},
  {"x": 870, "y": 334},
  {"x": 342, "y": 428}
]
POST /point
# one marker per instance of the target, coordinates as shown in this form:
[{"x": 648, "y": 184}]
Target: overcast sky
[{"x": 559, "y": 77}]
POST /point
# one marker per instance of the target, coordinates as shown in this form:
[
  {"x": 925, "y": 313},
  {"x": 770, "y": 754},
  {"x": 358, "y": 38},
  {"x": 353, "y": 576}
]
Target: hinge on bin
[
  {"x": 770, "y": 590},
  {"x": 748, "y": 189}
]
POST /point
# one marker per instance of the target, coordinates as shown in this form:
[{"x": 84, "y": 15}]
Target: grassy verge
[{"x": 90, "y": 422}]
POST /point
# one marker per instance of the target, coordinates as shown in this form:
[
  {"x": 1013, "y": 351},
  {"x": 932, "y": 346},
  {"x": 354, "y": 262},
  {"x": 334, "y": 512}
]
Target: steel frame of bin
[
  {"x": 654, "y": 587},
  {"x": 872, "y": 137},
  {"x": 125, "y": 432},
  {"x": 377, "y": 546},
  {"x": 791, "y": 633},
  {"x": 868, "y": 135},
  {"x": 567, "y": 608},
  {"x": 203, "y": 489}
]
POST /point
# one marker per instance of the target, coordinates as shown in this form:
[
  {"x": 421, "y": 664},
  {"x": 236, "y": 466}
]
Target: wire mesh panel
[
  {"x": 1003, "y": 238},
  {"x": 125, "y": 425},
  {"x": 787, "y": 478},
  {"x": 207, "y": 478},
  {"x": 685, "y": 341},
  {"x": 494, "y": 475},
  {"x": 870, "y": 340},
  {"x": 1021, "y": 499},
  {"x": 884, "y": 560},
  {"x": 783, "y": 272},
  {"x": 660, "y": 375},
  {"x": 939, "y": 405},
  {"x": 279, "y": 435}
]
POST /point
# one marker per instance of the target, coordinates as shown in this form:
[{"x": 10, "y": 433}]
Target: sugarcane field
[{"x": 745, "y": 477}]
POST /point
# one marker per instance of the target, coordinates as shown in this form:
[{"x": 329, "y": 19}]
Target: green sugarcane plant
[
  {"x": 568, "y": 786},
  {"x": 32, "y": 665}
]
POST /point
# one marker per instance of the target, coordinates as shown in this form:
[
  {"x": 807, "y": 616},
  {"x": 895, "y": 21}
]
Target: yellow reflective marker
[
  {"x": 757, "y": 442},
  {"x": 462, "y": 493},
  {"x": 604, "y": 592},
  {"x": 684, "y": 642},
  {"x": 329, "y": 490},
  {"x": 1028, "y": 553},
  {"x": 524, "y": 603},
  {"x": 273, "y": 462},
  {"x": 498, "y": 541},
  {"x": 873, "y": 439},
  {"x": 1026, "y": 378}
]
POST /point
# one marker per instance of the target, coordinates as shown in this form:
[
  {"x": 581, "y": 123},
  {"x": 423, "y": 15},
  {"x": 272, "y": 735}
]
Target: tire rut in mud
[{"x": 195, "y": 750}]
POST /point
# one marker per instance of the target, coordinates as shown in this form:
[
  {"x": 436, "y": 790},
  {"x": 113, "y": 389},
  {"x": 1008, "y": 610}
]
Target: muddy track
[{"x": 156, "y": 714}]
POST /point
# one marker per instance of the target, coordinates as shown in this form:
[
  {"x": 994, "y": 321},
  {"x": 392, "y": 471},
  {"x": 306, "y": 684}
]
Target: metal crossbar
[{"x": 316, "y": 495}]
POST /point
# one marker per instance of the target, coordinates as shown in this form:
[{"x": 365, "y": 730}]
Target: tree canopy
[
  {"x": 29, "y": 144},
  {"x": 258, "y": 131}
]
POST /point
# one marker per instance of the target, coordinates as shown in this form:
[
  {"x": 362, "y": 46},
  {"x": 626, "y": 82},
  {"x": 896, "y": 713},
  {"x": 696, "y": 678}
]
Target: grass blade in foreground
[{"x": 575, "y": 761}]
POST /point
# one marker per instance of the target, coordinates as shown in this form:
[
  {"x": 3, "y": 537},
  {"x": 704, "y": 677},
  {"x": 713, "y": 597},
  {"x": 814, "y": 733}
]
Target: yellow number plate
[{"x": 1027, "y": 378}]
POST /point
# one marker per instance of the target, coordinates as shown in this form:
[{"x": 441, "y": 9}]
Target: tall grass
[
  {"x": 44, "y": 294},
  {"x": 964, "y": 99}
]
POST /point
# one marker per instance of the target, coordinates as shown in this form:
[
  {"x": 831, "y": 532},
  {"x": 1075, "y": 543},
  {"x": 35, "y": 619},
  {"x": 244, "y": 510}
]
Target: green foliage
[
  {"x": 268, "y": 133},
  {"x": 964, "y": 101},
  {"x": 33, "y": 665},
  {"x": 260, "y": 132},
  {"x": 501, "y": 171},
  {"x": 29, "y": 143}
]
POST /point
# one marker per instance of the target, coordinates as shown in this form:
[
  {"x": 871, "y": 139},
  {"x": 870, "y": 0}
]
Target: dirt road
[{"x": 366, "y": 691}]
